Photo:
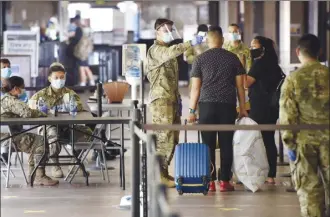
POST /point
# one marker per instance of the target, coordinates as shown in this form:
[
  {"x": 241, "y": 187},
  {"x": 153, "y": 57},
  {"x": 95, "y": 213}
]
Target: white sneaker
[
  {"x": 92, "y": 83},
  {"x": 82, "y": 84}
]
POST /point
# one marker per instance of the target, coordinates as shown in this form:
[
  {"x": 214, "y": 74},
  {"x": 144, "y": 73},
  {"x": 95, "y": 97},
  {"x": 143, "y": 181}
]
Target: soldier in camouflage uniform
[
  {"x": 305, "y": 100},
  {"x": 54, "y": 95},
  {"x": 33, "y": 144},
  {"x": 193, "y": 52},
  {"x": 162, "y": 72}
]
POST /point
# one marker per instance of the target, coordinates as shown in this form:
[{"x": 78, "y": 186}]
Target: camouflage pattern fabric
[
  {"x": 305, "y": 100},
  {"x": 162, "y": 70},
  {"x": 52, "y": 99},
  {"x": 193, "y": 52},
  {"x": 12, "y": 107},
  {"x": 62, "y": 135},
  {"x": 165, "y": 112},
  {"x": 243, "y": 53}
]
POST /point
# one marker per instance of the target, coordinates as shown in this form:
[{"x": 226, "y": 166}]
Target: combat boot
[
  {"x": 57, "y": 172},
  {"x": 166, "y": 174},
  {"x": 166, "y": 181},
  {"x": 42, "y": 179}
]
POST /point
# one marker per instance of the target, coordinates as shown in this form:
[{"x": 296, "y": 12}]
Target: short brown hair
[
  {"x": 161, "y": 21},
  {"x": 5, "y": 61}
]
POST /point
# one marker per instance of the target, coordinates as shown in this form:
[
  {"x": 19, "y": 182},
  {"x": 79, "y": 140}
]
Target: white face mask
[
  {"x": 167, "y": 38},
  {"x": 234, "y": 36},
  {"x": 58, "y": 83},
  {"x": 5, "y": 72}
]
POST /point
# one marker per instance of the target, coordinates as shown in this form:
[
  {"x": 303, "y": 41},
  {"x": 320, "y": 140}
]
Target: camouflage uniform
[
  {"x": 243, "y": 53},
  {"x": 53, "y": 99},
  {"x": 162, "y": 72},
  {"x": 305, "y": 100},
  {"x": 193, "y": 52},
  {"x": 33, "y": 144}
]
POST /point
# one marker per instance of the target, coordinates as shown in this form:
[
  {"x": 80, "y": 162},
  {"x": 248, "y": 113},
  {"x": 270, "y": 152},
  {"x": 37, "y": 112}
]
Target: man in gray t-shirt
[{"x": 217, "y": 77}]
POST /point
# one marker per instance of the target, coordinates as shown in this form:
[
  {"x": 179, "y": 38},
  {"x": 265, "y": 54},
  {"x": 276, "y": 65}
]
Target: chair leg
[
  {"x": 105, "y": 162},
  {"x": 8, "y": 163},
  {"x": 20, "y": 160}
]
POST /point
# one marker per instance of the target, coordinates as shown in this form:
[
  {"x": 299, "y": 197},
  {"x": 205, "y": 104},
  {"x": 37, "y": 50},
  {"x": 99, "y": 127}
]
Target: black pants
[
  {"x": 262, "y": 113},
  {"x": 219, "y": 113}
]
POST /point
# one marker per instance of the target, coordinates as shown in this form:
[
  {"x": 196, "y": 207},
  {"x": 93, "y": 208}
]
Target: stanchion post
[
  {"x": 99, "y": 99},
  {"x": 281, "y": 151},
  {"x": 135, "y": 167}
]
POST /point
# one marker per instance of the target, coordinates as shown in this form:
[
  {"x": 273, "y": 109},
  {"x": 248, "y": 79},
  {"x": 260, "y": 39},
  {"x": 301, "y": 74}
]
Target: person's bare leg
[
  {"x": 83, "y": 78},
  {"x": 90, "y": 76}
]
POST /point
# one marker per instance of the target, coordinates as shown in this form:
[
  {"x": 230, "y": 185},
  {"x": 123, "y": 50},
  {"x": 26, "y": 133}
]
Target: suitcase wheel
[
  {"x": 205, "y": 181},
  {"x": 180, "y": 181},
  {"x": 180, "y": 192},
  {"x": 205, "y": 192}
]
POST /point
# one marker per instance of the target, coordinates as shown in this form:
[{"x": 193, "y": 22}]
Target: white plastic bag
[{"x": 250, "y": 164}]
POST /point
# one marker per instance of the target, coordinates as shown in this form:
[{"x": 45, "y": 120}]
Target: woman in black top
[{"x": 262, "y": 81}]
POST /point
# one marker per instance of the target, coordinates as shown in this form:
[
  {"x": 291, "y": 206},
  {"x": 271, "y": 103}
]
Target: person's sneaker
[
  {"x": 57, "y": 172},
  {"x": 42, "y": 179},
  {"x": 166, "y": 181},
  {"x": 226, "y": 186},
  {"x": 212, "y": 186}
]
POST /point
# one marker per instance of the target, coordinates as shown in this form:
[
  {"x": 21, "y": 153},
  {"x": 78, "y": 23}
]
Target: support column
[
  {"x": 214, "y": 13},
  {"x": 313, "y": 14},
  {"x": 248, "y": 22},
  {"x": 63, "y": 18},
  {"x": 285, "y": 36},
  {"x": 328, "y": 35},
  {"x": 269, "y": 19},
  {"x": 228, "y": 14}
]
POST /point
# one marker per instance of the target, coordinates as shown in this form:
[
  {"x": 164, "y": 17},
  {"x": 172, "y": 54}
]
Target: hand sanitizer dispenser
[{"x": 133, "y": 56}]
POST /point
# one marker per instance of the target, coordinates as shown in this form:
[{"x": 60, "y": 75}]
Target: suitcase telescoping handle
[{"x": 185, "y": 133}]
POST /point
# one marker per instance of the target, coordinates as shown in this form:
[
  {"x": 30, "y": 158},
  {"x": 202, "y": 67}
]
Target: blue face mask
[
  {"x": 58, "y": 83},
  {"x": 23, "y": 96},
  {"x": 167, "y": 38},
  {"x": 5, "y": 72},
  {"x": 234, "y": 37}
]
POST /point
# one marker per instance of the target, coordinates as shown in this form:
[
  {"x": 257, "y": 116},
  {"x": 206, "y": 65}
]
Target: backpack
[
  {"x": 83, "y": 48},
  {"x": 275, "y": 97}
]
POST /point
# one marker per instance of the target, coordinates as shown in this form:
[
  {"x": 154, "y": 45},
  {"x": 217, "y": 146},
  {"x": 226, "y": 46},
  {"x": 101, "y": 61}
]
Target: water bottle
[
  {"x": 42, "y": 106},
  {"x": 73, "y": 106}
]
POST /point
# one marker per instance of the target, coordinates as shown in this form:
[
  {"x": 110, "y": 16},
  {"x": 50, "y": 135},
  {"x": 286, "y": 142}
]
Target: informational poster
[
  {"x": 23, "y": 43},
  {"x": 133, "y": 55},
  {"x": 295, "y": 29}
]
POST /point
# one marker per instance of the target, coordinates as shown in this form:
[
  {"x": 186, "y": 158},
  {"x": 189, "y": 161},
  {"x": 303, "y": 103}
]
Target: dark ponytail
[{"x": 11, "y": 83}]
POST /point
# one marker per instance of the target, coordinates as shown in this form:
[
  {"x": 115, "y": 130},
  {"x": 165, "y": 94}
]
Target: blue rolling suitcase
[{"x": 192, "y": 167}]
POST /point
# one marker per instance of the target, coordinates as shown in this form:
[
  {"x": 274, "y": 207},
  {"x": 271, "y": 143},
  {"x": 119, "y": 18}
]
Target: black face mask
[{"x": 255, "y": 53}]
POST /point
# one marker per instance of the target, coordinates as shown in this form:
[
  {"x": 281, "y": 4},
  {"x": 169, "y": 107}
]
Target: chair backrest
[{"x": 99, "y": 127}]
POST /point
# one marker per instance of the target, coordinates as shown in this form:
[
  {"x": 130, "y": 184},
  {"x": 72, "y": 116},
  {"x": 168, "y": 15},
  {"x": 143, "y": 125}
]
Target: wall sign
[{"x": 23, "y": 43}]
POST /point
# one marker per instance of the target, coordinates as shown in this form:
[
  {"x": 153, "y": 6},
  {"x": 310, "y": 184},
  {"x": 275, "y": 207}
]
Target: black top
[
  {"x": 218, "y": 69},
  {"x": 267, "y": 75}
]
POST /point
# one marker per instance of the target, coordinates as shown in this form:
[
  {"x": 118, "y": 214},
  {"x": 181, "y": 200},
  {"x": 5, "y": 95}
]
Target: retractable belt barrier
[{"x": 154, "y": 203}]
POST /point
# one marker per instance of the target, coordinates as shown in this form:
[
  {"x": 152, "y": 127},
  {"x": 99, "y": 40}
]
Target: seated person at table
[
  {"x": 6, "y": 73},
  {"x": 33, "y": 144},
  {"x": 54, "y": 96}
]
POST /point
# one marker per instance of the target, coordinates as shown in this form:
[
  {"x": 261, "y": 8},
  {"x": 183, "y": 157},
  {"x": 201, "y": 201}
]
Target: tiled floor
[{"x": 101, "y": 199}]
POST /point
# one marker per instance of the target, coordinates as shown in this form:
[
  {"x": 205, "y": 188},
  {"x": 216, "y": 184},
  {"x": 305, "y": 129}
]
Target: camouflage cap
[{"x": 56, "y": 64}]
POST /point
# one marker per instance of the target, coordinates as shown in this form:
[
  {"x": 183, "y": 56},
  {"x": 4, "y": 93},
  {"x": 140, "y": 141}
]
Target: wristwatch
[{"x": 192, "y": 111}]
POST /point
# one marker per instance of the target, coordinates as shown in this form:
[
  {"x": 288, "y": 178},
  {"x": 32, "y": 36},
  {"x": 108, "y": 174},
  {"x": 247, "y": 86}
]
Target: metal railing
[
  {"x": 158, "y": 206},
  {"x": 154, "y": 196}
]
